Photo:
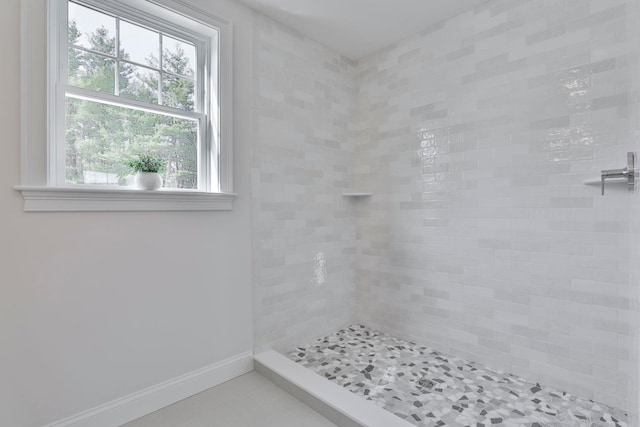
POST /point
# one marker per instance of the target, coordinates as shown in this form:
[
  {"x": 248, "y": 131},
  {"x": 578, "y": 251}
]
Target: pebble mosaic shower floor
[{"x": 428, "y": 388}]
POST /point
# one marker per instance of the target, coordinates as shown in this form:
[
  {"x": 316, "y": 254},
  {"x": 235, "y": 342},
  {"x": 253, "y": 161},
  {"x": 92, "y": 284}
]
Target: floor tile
[{"x": 428, "y": 388}]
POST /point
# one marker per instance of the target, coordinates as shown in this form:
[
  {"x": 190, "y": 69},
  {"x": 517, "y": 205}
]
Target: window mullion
[
  {"x": 94, "y": 52},
  {"x": 160, "y": 77},
  {"x": 119, "y": 101},
  {"x": 200, "y": 89},
  {"x": 206, "y": 146},
  {"x": 137, "y": 64},
  {"x": 117, "y": 70},
  {"x": 204, "y": 158}
]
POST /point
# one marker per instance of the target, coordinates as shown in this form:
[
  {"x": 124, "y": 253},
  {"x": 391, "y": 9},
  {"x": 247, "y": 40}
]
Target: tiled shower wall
[
  {"x": 304, "y": 235},
  {"x": 481, "y": 240}
]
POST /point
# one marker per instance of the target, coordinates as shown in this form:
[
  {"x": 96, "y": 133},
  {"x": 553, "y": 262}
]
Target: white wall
[
  {"x": 304, "y": 236},
  {"x": 481, "y": 240},
  {"x": 94, "y": 306}
]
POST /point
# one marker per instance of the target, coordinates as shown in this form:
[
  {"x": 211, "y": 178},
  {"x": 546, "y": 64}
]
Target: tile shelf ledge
[
  {"x": 357, "y": 194},
  {"x": 67, "y": 199}
]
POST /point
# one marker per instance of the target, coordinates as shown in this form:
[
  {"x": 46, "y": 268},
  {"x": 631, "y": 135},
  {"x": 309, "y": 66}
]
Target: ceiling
[{"x": 357, "y": 28}]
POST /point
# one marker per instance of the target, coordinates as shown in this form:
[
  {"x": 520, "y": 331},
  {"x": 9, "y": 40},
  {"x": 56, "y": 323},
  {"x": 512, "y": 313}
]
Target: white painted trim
[
  {"x": 143, "y": 402},
  {"x": 34, "y": 91},
  {"x": 339, "y": 398},
  {"x": 35, "y": 164},
  {"x": 25, "y": 88},
  {"x": 64, "y": 199},
  {"x": 225, "y": 79}
]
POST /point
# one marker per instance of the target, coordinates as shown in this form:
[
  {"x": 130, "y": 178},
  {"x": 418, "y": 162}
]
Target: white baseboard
[{"x": 143, "y": 402}]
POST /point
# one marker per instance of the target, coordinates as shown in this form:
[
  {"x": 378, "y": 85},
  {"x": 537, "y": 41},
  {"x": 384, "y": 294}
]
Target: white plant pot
[{"x": 148, "y": 180}]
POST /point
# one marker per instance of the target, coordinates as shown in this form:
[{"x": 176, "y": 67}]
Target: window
[
  {"x": 131, "y": 84},
  {"x": 129, "y": 78}
]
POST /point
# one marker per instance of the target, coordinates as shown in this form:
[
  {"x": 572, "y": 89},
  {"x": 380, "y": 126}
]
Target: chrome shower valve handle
[{"x": 629, "y": 173}]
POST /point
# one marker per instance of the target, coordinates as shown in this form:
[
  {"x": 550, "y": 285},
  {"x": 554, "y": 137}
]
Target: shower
[{"x": 453, "y": 182}]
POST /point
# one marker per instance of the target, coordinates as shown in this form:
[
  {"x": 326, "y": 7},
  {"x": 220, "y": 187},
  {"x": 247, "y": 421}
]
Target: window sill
[{"x": 64, "y": 199}]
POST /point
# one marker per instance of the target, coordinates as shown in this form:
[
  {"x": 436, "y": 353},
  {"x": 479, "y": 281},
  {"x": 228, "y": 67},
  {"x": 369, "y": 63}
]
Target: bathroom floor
[
  {"x": 453, "y": 391},
  {"x": 246, "y": 401}
]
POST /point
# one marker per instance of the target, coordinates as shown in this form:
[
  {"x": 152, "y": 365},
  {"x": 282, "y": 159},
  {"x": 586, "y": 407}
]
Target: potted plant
[{"x": 147, "y": 168}]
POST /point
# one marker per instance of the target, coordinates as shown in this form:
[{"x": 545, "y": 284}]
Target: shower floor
[{"x": 453, "y": 391}]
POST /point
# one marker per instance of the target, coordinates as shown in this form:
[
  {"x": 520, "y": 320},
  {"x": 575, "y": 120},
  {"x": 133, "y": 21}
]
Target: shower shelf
[{"x": 357, "y": 194}]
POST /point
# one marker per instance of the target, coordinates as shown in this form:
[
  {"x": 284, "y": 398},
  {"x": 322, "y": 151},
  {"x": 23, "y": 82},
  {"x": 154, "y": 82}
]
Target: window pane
[
  {"x": 177, "y": 92},
  {"x": 139, "y": 83},
  {"x": 91, "y": 71},
  {"x": 139, "y": 45},
  {"x": 101, "y": 138},
  {"x": 178, "y": 57},
  {"x": 91, "y": 29}
]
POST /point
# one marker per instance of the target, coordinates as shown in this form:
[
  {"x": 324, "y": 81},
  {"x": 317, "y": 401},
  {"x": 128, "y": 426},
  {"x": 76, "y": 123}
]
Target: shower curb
[{"x": 335, "y": 403}]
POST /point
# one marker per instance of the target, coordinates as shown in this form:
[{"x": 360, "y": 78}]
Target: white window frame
[{"x": 42, "y": 183}]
